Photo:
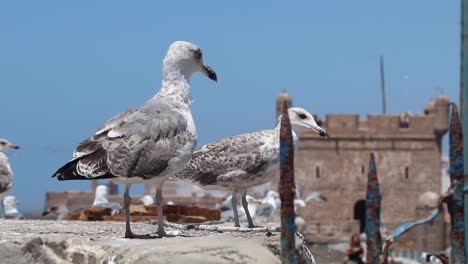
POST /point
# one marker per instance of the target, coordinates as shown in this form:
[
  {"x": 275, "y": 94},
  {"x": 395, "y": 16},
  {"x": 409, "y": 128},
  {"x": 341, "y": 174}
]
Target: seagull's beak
[
  {"x": 258, "y": 201},
  {"x": 210, "y": 73},
  {"x": 17, "y": 202},
  {"x": 14, "y": 146},
  {"x": 322, "y": 132}
]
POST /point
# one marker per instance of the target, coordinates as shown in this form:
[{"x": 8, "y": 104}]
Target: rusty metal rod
[
  {"x": 456, "y": 201},
  {"x": 287, "y": 190},
  {"x": 373, "y": 205}
]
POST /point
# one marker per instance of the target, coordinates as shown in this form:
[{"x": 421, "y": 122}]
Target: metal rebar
[
  {"x": 373, "y": 205},
  {"x": 456, "y": 202},
  {"x": 287, "y": 190},
  {"x": 464, "y": 92},
  {"x": 382, "y": 85}
]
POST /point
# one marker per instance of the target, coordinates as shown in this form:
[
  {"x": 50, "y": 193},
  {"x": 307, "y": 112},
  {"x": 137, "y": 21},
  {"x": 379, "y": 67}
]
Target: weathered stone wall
[{"x": 408, "y": 164}]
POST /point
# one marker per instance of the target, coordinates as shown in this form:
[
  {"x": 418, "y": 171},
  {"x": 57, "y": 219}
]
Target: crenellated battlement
[{"x": 377, "y": 126}]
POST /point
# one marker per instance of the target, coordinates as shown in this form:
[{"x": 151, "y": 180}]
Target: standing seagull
[
  {"x": 149, "y": 143},
  {"x": 240, "y": 162},
  {"x": 6, "y": 176}
]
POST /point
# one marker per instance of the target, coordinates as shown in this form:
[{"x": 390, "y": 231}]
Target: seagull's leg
[
  {"x": 234, "y": 209},
  {"x": 246, "y": 209},
  {"x": 159, "y": 205},
  {"x": 127, "y": 201}
]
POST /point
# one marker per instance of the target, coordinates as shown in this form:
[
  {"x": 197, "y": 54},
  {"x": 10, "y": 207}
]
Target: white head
[
  {"x": 101, "y": 195},
  {"x": 5, "y": 144},
  {"x": 301, "y": 120},
  {"x": 10, "y": 203},
  {"x": 147, "y": 200},
  {"x": 186, "y": 58}
]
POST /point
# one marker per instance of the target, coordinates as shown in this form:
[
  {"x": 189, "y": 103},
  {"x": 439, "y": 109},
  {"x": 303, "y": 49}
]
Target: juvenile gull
[
  {"x": 57, "y": 212},
  {"x": 240, "y": 162},
  {"x": 6, "y": 175},
  {"x": 149, "y": 143}
]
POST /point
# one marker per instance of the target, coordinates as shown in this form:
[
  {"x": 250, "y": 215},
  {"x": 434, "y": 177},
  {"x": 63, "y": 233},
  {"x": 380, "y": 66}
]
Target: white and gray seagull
[
  {"x": 100, "y": 200},
  {"x": 240, "y": 162},
  {"x": 6, "y": 175},
  {"x": 149, "y": 143},
  {"x": 10, "y": 204}
]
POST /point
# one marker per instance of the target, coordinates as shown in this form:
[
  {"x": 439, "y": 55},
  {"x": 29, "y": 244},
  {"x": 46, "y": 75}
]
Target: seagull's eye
[
  {"x": 302, "y": 116},
  {"x": 197, "y": 53}
]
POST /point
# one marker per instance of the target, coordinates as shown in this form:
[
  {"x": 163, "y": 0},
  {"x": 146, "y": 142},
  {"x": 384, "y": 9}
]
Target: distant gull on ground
[
  {"x": 6, "y": 175},
  {"x": 270, "y": 204},
  {"x": 100, "y": 200},
  {"x": 147, "y": 200},
  {"x": 149, "y": 143},
  {"x": 11, "y": 212},
  {"x": 240, "y": 162},
  {"x": 57, "y": 212}
]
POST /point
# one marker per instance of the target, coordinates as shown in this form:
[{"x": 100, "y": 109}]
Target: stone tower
[
  {"x": 438, "y": 110},
  {"x": 408, "y": 158}
]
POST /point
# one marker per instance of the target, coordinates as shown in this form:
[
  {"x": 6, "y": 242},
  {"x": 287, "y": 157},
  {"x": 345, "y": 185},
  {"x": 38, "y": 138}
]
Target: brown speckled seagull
[{"x": 240, "y": 162}]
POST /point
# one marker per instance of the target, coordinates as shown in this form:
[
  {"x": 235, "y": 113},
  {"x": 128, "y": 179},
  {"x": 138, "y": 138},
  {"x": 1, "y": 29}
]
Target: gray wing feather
[
  {"x": 236, "y": 156},
  {"x": 6, "y": 177},
  {"x": 134, "y": 143}
]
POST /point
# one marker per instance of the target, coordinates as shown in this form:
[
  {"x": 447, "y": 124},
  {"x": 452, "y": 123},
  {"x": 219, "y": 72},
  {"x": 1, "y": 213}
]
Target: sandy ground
[{"x": 47, "y": 241}]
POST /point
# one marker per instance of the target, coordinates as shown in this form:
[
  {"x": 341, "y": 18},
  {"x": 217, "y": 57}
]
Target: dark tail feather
[{"x": 68, "y": 172}]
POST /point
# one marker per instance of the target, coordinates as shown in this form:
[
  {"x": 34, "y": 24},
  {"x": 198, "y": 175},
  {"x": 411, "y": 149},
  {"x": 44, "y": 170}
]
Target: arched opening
[
  {"x": 317, "y": 172},
  {"x": 360, "y": 214},
  {"x": 406, "y": 173}
]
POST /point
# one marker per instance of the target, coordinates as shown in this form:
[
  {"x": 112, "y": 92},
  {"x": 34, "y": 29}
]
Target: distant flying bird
[
  {"x": 149, "y": 143},
  {"x": 11, "y": 212},
  {"x": 6, "y": 175},
  {"x": 240, "y": 162},
  {"x": 312, "y": 196},
  {"x": 100, "y": 200}
]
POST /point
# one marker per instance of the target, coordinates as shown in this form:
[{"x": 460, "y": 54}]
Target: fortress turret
[
  {"x": 441, "y": 115},
  {"x": 438, "y": 110}
]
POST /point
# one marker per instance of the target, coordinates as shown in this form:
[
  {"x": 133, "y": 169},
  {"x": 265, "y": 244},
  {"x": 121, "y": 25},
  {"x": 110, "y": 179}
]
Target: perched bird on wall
[
  {"x": 100, "y": 200},
  {"x": 6, "y": 175},
  {"x": 270, "y": 204},
  {"x": 240, "y": 162},
  {"x": 147, "y": 200},
  {"x": 57, "y": 212},
  {"x": 11, "y": 212},
  {"x": 149, "y": 143}
]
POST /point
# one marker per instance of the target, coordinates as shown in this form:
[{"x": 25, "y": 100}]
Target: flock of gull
[{"x": 157, "y": 141}]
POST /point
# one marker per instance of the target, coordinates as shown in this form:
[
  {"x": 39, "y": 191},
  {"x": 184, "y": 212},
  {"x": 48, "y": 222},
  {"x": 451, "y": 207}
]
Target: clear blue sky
[{"x": 66, "y": 67}]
